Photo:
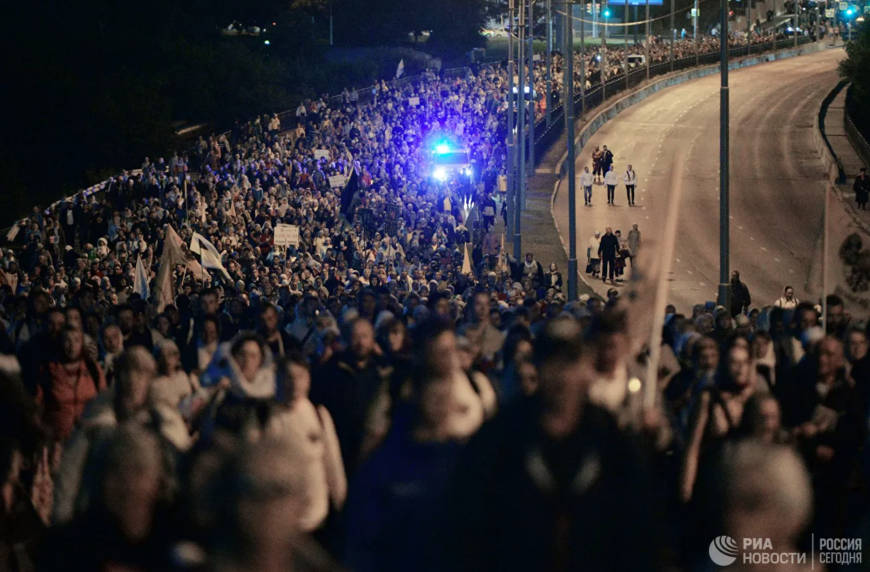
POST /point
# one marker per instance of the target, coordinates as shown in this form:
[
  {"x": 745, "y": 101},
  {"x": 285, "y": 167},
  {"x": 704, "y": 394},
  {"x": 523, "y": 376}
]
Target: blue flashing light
[
  {"x": 442, "y": 148},
  {"x": 440, "y": 173},
  {"x": 607, "y": 13},
  {"x": 850, "y": 11}
]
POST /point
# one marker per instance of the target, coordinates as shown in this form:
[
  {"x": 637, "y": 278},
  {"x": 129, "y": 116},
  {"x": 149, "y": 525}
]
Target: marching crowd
[{"x": 391, "y": 391}]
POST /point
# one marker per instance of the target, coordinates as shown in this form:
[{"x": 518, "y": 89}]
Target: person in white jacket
[
  {"x": 592, "y": 254},
  {"x": 311, "y": 432},
  {"x": 630, "y": 178},
  {"x": 788, "y": 300},
  {"x": 610, "y": 181},
  {"x": 586, "y": 181}
]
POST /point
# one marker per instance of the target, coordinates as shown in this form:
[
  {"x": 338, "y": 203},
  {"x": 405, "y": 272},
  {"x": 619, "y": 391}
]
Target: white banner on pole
[
  {"x": 413, "y": 101},
  {"x": 321, "y": 154},
  {"x": 286, "y": 235}
]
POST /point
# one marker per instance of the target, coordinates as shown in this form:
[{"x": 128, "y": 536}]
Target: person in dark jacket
[
  {"x": 552, "y": 483},
  {"x": 350, "y": 386},
  {"x": 862, "y": 189},
  {"x": 607, "y": 252},
  {"x": 740, "y": 298},
  {"x": 606, "y": 159}
]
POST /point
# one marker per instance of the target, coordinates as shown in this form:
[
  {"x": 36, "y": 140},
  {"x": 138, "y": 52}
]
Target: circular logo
[{"x": 723, "y": 550}]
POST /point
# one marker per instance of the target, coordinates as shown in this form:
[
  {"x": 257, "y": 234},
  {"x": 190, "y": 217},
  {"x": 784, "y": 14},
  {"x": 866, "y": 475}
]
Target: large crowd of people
[{"x": 392, "y": 391}]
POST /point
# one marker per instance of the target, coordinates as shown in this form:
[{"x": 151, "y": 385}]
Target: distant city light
[
  {"x": 266, "y": 42},
  {"x": 440, "y": 173}
]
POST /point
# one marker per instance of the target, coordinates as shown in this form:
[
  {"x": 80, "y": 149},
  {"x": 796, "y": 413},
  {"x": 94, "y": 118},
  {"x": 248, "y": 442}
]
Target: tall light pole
[
  {"x": 646, "y": 47},
  {"x": 797, "y": 7},
  {"x": 521, "y": 138},
  {"x": 603, "y": 66},
  {"x": 549, "y": 61},
  {"x": 569, "y": 130},
  {"x": 724, "y": 164},
  {"x": 511, "y": 125},
  {"x": 695, "y": 33},
  {"x": 582, "y": 54},
  {"x": 625, "y": 45},
  {"x": 773, "y": 26},
  {"x": 532, "y": 117},
  {"x": 673, "y": 35},
  {"x": 748, "y": 27}
]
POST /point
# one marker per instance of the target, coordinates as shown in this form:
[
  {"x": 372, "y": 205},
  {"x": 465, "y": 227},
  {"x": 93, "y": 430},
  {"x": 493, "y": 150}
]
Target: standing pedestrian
[
  {"x": 624, "y": 254},
  {"x": 788, "y": 301},
  {"x": 488, "y": 212},
  {"x": 610, "y": 181},
  {"x": 607, "y": 252},
  {"x": 862, "y": 189},
  {"x": 592, "y": 254},
  {"x": 630, "y": 179},
  {"x": 606, "y": 159},
  {"x": 586, "y": 181},
  {"x": 633, "y": 243},
  {"x": 596, "y": 163},
  {"x": 740, "y": 298}
]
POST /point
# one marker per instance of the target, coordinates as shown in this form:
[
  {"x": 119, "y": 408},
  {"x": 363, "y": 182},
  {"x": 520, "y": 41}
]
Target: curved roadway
[{"x": 777, "y": 180}]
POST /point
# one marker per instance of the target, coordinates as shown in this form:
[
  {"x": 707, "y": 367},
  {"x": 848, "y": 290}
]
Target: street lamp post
[
  {"x": 625, "y": 45},
  {"x": 549, "y": 61},
  {"x": 748, "y": 27},
  {"x": 532, "y": 116},
  {"x": 797, "y": 7},
  {"x": 603, "y": 54},
  {"x": 673, "y": 35},
  {"x": 511, "y": 124},
  {"x": 569, "y": 130},
  {"x": 724, "y": 277},
  {"x": 773, "y": 26},
  {"x": 582, "y": 55},
  {"x": 521, "y": 138},
  {"x": 695, "y": 33},
  {"x": 647, "y": 46}
]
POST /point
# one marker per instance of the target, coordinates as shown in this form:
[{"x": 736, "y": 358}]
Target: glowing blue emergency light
[
  {"x": 442, "y": 148},
  {"x": 607, "y": 13},
  {"x": 850, "y": 11}
]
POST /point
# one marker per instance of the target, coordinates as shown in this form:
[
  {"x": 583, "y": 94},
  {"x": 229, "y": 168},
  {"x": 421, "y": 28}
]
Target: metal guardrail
[
  {"x": 545, "y": 136},
  {"x": 859, "y": 140}
]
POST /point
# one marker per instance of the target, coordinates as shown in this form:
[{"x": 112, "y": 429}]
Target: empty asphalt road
[{"x": 777, "y": 180}]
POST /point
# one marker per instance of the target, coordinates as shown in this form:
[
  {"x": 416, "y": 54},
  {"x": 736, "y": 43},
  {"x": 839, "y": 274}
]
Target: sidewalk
[{"x": 835, "y": 131}]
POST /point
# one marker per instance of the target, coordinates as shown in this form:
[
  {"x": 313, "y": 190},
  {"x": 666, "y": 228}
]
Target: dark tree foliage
[
  {"x": 93, "y": 86},
  {"x": 455, "y": 24}
]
